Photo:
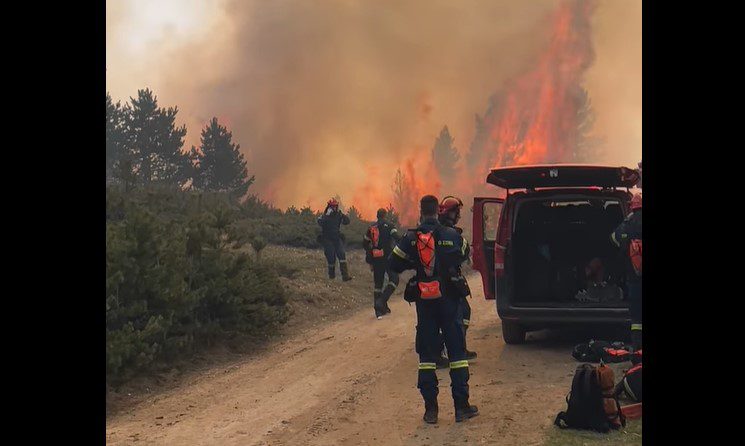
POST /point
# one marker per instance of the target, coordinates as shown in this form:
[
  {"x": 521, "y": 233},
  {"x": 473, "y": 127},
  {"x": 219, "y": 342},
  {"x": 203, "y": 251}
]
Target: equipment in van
[{"x": 541, "y": 246}]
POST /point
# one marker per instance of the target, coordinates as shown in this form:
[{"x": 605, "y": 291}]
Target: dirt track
[{"x": 354, "y": 382}]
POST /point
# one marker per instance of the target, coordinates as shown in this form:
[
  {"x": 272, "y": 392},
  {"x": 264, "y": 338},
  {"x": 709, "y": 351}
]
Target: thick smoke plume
[{"x": 336, "y": 97}]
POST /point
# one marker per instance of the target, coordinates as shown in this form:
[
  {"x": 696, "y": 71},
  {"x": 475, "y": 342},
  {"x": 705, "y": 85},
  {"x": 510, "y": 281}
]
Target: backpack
[
  {"x": 425, "y": 284},
  {"x": 635, "y": 255},
  {"x": 585, "y": 403},
  {"x": 612, "y": 408},
  {"x": 429, "y": 285},
  {"x": 631, "y": 384},
  {"x": 375, "y": 250}
]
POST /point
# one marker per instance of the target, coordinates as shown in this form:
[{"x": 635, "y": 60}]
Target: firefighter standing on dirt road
[
  {"x": 434, "y": 251},
  {"x": 449, "y": 215},
  {"x": 624, "y": 236},
  {"x": 378, "y": 243},
  {"x": 333, "y": 246}
]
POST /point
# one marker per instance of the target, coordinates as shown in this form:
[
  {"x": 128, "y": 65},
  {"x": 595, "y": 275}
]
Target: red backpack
[
  {"x": 635, "y": 254},
  {"x": 429, "y": 286},
  {"x": 375, "y": 237}
]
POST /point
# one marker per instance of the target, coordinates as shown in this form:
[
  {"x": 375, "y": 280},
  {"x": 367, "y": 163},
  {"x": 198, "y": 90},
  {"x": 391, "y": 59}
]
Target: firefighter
[
  {"x": 331, "y": 238},
  {"x": 626, "y": 234},
  {"x": 449, "y": 215},
  {"x": 435, "y": 252},
  {"x": 378, "y": 243}
]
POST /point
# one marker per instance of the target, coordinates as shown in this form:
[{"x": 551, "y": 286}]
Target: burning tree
[
  {"x": 544, "y": 115},
  {"x": 445, "y": 156},
  {"x": 400, "y": 192}
]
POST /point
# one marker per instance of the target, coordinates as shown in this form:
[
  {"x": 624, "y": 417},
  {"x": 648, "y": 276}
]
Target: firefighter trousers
[
  {"x": 433, "y": 316},
  {"x": 333, "y": 249},
  {"x": 381, "y": 294}
]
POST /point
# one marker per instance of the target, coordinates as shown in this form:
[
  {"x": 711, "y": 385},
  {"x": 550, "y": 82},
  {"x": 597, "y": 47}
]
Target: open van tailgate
[{"x": 562, "y": 175}]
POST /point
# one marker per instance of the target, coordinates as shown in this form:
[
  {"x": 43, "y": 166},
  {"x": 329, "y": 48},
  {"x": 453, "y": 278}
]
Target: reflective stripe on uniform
[
  {"x": 342, "y": 261},
  {"x": 427, "y": 366},
  {"x": 636, "y": 326},
  {"x": 463, "y": 248},
  {"x": 613, "y": 238},
  {"x": 377, "y": 290},
  {"x": 466, "y": 322},
  {"x": 399, "y": 252},
  {"x": 459, "y": 364}
]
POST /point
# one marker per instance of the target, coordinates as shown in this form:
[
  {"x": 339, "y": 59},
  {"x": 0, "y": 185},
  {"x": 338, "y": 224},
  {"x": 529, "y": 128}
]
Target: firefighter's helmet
[{"x": 449, "y": 204}]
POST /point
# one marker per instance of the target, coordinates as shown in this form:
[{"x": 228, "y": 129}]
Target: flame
[
  {"x": 533, "y": 119},
  {"x": 537, "y": 119}
]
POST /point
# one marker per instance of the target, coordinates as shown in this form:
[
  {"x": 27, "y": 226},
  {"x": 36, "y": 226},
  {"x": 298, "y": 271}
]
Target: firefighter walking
[
  {"x": 435, "y": 251},
  {"x": 628, "y": 236},
  {"x": 449, "y": 215},
  {"x": 331, "y": 238},
  {"x": 378, "y": 243}
]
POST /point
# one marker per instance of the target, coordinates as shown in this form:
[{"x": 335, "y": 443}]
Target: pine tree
[
  {"x": 115, "y": 146},
  {"x": 219, "y": 165},
  {"x": 445, "y": 155},
  {"x": 155, "y": 142},
  {"x": 587, "y": 148}
]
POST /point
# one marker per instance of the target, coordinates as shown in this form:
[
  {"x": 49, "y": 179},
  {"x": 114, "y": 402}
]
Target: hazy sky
[{"x": 314, "y": 89}]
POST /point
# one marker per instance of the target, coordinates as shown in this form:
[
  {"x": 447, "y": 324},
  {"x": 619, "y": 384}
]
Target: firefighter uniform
[
  {"x": 333, "y": 245},
  {"x": 629, "y": 229},
  {"x": 438, "y": 314},
  {"x": 465, "y": 308},
  {"x": 378, "y": 242}
]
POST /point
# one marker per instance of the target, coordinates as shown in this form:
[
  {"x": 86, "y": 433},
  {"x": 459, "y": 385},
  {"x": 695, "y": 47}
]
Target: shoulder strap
[{"x": 561, "y": 420}]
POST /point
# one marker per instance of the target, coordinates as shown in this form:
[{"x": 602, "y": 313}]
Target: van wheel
[{"x": 513, "y": 332}]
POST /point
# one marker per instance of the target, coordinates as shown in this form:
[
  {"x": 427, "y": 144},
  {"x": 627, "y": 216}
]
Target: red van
[{"x": 544, "y": 251}]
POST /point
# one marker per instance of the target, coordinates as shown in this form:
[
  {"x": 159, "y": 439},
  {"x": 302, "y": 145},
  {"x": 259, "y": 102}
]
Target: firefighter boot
[
  {"x": 469, "y": 354},
  {"x": 379, "y": 310},
  {"x": 332, "y": 272},
  {"x": 464, "y": 411},
  {"x": 344, "y": 271},
  {"x": 430, "y": 411},
  {"x": 387, "y": 292}
]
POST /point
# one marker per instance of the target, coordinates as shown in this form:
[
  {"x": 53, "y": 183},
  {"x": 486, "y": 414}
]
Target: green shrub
[{"x": 174, "y": 282}]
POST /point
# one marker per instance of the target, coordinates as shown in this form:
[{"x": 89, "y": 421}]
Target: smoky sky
[{"x": 315, "y": 91}]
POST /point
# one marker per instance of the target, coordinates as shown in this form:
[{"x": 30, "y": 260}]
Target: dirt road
[{"x": 354, "y": 382}]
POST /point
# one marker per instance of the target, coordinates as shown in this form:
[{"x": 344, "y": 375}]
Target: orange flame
[
  {"x": 537, "y": 121},
  {"x": 534, "y": 119}
]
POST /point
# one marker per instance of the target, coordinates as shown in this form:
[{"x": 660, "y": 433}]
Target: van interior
[{"x": 563, "y": 255}]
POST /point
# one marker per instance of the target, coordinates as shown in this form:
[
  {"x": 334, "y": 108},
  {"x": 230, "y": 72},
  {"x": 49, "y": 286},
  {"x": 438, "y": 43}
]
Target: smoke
[{"x": 332, "y": 97}]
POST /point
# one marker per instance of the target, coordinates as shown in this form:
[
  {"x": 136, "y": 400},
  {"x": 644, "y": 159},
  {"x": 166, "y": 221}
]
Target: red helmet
[
  {"x": 448, "y": 204},
  {"x": 636, "y": 202},
  {"x": 333, "y": 203}
]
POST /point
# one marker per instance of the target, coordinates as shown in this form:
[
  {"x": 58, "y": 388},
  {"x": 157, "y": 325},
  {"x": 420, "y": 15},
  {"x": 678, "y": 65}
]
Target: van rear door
[{"x": 486, "y": 216}]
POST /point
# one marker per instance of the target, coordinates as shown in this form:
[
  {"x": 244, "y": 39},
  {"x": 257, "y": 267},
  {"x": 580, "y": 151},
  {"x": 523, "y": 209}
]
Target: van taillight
[{"x": 498, "y": 260}]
